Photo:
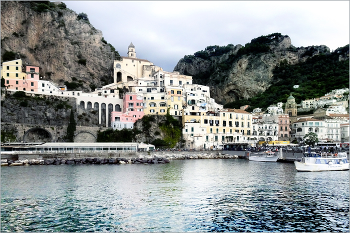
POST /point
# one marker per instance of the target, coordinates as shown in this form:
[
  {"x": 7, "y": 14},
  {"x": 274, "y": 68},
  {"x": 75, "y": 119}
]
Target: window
[
  {"x": 16, "y": 67},
  {"x": 32, "y": 84},
  {"x": 224, "y": 123},
  {"x": 16, "y": 82},
  {"x": 149, "y": 89},
  {"x": 8, "y": 67},
  {"x": 242, "y": 124},
  {"x": 31, "y": 89},
  {"x": 172, "y": 99},
  {"x": 206, "y": 138},
  {"x": 192, "y": 129},
  {"x": 224, "y": 131},
  {"x": 217, "y": 130},
  {"x": 180, "y": 82},
  {"x": 17, "y": 75},
  {"x": 286, "y": 128},
  {"x": 162, "y": 97},
  {"x": 130, "y": 97},
  {"x": 43, "y": 85},
  {"x": 176, "y": 106},
  {"x": 223, "y": 138},
  {"x": 152, "y": 98},
  {"x": 162, "y": 110},
  {"x": 131, "y": 105},
  {"x": 281, "y": 128},
  {"x": 186, "y": 130},
  {"x": 178, "y": 98},
  {"x": 205, "y": 121},
  {"x": 175, "y": 112},
  {"x": 8, "y": 75},
  {"x": 248, "y": 124},
  {"x": 171, "y": 83},
  {"x": 211, "y": 130},
  {"x": 172, "y": 91},
  {"x": 179, "y": 92},
  {"x": 7, "y": 81},
  {"x": 216, "y": 138}
]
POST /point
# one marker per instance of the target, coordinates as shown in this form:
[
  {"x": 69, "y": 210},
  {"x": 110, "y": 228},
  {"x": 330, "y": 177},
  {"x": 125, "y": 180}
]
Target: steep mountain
[
  {"x": 63, "y": 43},
  {"x": 313, "y": 78},
  {"x": 241, "y": 72}
]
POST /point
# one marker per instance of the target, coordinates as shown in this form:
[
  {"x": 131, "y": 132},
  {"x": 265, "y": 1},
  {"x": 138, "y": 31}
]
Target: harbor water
[{"x": 181, "y": 196}]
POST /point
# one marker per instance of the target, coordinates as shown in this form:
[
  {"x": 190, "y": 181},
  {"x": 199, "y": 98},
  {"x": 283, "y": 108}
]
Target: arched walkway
[{"x": 37, "y": 135}]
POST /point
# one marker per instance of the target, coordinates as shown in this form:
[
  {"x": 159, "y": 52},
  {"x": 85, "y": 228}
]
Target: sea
[{"x": 204, "y": 195}]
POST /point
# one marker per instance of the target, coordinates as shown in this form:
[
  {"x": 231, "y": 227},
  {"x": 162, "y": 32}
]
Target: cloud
[{"x": 165, "y": 31}]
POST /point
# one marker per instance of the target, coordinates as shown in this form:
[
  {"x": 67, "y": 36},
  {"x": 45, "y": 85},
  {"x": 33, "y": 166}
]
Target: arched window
[
  {"x": 82, "y": 104},
  {"x": 117, "y": 108}
]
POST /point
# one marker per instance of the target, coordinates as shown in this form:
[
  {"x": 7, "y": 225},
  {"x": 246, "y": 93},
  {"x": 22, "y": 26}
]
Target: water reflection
[{"x": 193, "y": 195}]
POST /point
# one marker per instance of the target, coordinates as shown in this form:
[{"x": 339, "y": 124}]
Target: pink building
[
  {"x": 284, "y": 129},
  {"x": 32, "y": 78},
  {"x": 24, "y": 79},
  {"x": 132, "y": 111}
]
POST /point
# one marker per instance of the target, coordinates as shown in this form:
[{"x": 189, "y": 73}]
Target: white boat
[
  {"x": 264, "y": 156},
  {"x": 313, "y": 162}
]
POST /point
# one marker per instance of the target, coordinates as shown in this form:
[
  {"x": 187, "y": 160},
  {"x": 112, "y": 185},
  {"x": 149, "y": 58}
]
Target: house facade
[{"x": 132, "y": 111}]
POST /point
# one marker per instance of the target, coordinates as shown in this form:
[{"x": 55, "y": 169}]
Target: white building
[
  {"x": 344, "y": 132},
  {"x": 307, "y": 125}
]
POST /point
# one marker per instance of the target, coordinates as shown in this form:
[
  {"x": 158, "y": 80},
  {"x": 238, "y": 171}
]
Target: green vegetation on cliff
[
  {"x": 110, "y": 135},
  {"x": 315, "y": 77},
  {"x": 171, "y": 129}
]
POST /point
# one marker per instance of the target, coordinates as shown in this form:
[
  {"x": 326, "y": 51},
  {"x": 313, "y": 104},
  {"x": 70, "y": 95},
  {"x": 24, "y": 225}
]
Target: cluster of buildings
[{"x": 148, "y": 90}]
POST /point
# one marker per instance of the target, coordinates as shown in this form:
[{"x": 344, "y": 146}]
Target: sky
[{"x": 163, "y": 32}]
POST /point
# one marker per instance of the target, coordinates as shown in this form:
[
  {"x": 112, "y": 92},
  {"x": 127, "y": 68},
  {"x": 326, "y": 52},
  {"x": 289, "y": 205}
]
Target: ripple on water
[{"x": 202, "y": 195}]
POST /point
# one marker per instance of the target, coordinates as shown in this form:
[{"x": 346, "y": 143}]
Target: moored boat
[
  {"x": 312, "y": 162},
  {"x": 264, "y": 156}
]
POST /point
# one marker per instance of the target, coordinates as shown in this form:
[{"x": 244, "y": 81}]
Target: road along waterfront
[{"x": 183, "y": 195}]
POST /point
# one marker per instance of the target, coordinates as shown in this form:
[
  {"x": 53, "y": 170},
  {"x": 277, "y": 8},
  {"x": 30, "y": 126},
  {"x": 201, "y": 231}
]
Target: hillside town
[{"x": 141, "y": 88}]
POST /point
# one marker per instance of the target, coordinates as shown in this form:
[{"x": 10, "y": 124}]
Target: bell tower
[
  {"x": 291, "y": 109},
  {"x": 131, "y": 51}
]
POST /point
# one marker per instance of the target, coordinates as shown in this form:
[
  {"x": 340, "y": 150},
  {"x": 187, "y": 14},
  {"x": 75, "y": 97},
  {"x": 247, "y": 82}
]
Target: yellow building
[
  {"x": 217, "y": 128},
  {"x": 155, "y": 103},
  {"x": 174, "y": 97},
  {"x": 12, "y": 72}
]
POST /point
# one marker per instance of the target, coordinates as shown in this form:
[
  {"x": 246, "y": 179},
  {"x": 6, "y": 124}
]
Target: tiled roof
[
  {"x": 135, "y": 59},
  {"x": 307, "y": 119},
  {"x": 236, "y": 111},
  {"x": 338, "y": 115}
]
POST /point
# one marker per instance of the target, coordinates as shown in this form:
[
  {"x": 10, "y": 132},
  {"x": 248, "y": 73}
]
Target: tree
[
  {"x": 71, "y": 127},
  {"x": 3, "y": 82},
  {"x": 310, "y": 139}
]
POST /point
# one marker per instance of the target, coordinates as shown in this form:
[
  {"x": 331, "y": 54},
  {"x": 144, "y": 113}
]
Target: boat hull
[
  {"x": 263, "y": 158},
  {"x": 305, "y": 167}
]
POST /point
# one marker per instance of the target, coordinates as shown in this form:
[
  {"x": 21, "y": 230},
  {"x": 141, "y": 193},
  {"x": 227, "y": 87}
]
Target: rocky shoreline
[{"x": 98, "y": 160}]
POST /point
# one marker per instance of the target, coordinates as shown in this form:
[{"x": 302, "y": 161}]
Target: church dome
[{"x": 290, "y": 97}]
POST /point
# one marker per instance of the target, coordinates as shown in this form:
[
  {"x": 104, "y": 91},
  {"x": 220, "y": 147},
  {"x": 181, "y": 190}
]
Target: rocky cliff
[
  {"x": 240, "y": 72},
  {"x": 63, "y": 43}
]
